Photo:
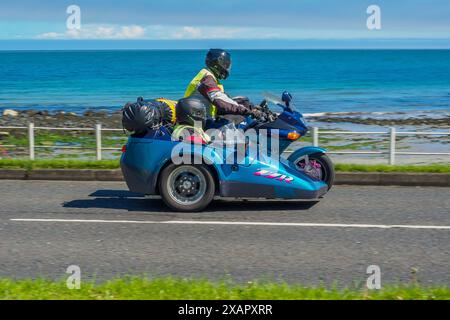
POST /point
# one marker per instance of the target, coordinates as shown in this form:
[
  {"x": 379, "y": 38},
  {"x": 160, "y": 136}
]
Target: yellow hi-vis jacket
[{"x": 192, "y": 88}]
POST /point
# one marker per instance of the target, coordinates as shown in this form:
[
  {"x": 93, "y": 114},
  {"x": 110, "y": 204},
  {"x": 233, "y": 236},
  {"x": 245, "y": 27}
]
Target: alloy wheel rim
[{"x": 186, "y": 185}]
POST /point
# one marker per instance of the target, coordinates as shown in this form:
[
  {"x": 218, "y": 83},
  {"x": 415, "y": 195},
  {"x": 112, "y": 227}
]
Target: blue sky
[{"x": 200, "y": 21}]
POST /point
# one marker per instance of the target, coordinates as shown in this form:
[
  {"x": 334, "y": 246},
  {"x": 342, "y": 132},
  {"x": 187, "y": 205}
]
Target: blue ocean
[{"x": 320, "y": 80}]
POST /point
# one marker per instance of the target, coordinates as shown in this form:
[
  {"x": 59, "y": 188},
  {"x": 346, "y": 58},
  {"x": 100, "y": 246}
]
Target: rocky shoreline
[
  {"x": 90, "y": 117},
  {"x": 435, "y": 122},
  {"x": 45, "y": 118}
]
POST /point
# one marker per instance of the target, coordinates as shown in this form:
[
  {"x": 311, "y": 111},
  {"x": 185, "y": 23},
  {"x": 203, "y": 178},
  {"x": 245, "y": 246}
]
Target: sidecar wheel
[{"x": 186, "y": 187}]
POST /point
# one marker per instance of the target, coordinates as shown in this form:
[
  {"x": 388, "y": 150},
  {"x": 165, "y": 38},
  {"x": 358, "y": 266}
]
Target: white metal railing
[
  {"x": 31, "y": 129},
  {"x": 392, "y": 133}
]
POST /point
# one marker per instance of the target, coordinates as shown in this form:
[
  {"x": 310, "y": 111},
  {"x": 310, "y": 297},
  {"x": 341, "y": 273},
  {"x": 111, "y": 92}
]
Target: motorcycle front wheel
[{"x": 317, "y": 166}]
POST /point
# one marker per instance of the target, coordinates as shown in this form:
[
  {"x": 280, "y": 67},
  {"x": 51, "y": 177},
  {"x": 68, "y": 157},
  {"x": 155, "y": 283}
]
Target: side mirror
[{"x": 286, "y": 97}]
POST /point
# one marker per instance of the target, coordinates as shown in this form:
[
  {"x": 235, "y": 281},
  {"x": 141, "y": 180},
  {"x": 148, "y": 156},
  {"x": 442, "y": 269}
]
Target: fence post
[
  {"x": 315, "y": 132},
  {"x": 392, "y": 146},
  {"x": 31, "y": 140},
  {"x": 98, "y": 140}
]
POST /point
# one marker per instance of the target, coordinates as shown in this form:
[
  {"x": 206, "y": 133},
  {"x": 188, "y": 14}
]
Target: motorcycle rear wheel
[{"x": 186, "y": 188}]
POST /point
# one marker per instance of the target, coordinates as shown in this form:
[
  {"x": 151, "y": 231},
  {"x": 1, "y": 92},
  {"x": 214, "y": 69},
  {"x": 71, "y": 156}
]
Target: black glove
[
  {"x": 255, "y": 113},
  {"x": 242, "y": 101}
]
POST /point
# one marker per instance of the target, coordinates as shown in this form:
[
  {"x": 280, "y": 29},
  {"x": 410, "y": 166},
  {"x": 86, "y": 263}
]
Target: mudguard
[{"x": 305, "y": 151}]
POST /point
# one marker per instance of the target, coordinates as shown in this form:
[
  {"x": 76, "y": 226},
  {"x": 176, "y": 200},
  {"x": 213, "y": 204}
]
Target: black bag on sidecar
[{"x": 141, "y": 116}]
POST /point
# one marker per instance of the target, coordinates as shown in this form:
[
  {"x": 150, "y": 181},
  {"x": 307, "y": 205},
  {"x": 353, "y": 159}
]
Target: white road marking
[{"x": 245, "y": 223}]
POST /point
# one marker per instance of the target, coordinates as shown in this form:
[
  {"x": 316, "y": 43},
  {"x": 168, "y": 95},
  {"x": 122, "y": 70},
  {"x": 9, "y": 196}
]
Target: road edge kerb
[
  {"x": 62, "y": 174},
  {"x": 350, "y": 178},
  {"x": 393, "y": 179},
  {"x": 13, "y": 174}
]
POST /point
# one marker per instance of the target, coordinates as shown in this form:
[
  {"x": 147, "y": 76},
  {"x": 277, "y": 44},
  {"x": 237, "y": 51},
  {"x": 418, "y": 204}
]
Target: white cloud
[
  {"x": 48, "y": 35},
  {"x": 187, "y": 33},
  {"x": 170, "y": 32},
  {"x": 105, "y": 32},
  {"x": 131, "y": 32},
  {"x": 74, "y": 34},
  {"x": 98, "y": 32},
  {"x": 224, "y": 33},
  {"x": 145, "y": 32}
]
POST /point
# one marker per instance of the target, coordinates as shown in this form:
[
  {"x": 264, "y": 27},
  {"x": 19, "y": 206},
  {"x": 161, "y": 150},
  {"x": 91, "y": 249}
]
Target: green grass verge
[
  {"x": 114, "y": 164},
  {"x": 431, "y": 168},
  {"x": 181, "y": 289},
  {"x": 85, "y": 139},
  {"x": 57, "y": 164}
]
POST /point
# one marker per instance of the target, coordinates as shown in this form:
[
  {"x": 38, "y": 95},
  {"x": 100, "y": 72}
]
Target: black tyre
[
  {"x": 186, "y": 187},
  {"x": 318, "y": 166}
]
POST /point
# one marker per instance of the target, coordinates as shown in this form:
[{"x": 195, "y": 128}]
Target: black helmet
[
  {"x": 219, "y": 62},
  {"x": 191, "y": 109}
]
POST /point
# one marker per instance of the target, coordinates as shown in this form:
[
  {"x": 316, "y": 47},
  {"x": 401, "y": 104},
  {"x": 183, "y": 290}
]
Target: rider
[{"x": 207, "y": 83}]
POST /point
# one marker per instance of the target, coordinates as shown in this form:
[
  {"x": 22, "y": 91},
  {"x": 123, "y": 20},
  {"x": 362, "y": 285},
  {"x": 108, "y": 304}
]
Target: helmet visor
[{"x": 226, "y": 64}]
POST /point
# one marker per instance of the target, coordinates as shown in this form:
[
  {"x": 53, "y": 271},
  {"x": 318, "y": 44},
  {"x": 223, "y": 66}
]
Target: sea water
[{"x": 367, "y": 81}]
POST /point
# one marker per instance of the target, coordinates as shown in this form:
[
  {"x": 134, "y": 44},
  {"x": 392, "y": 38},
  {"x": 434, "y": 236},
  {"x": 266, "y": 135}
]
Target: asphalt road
[{"x": 45, "y": 226}]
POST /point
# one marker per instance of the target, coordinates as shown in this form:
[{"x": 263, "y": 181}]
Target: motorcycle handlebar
[{"x": 266, "y": 115}]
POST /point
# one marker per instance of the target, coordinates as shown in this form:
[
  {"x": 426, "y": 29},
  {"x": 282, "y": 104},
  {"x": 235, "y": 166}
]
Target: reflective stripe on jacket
[{"x": 178, "y": 131}]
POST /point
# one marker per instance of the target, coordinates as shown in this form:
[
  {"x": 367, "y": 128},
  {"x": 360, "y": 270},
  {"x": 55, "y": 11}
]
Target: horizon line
[{"x": 232, "y": 44}]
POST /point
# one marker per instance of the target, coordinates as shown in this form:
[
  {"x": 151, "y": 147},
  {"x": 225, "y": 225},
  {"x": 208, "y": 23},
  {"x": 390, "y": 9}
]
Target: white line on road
[{"x": 244, "y": 223}]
